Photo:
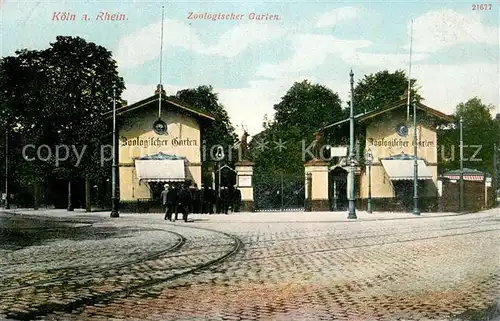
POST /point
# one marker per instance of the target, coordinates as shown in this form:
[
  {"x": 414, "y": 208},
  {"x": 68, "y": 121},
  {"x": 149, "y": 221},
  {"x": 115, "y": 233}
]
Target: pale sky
[{"x": 252, "y": 63}]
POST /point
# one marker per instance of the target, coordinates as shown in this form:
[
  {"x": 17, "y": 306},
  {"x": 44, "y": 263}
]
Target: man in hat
[
  {"x": 224, "y": 197},
  {"x": 210, "y": 199},
  {"x": 164, "y": 200},
  {"x": 169, "y": 196},
  {"x": 236, "y": 199},
  {"x": 184, "y": 201}
]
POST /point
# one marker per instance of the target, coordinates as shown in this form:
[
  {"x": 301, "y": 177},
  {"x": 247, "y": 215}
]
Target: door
[{"x": 337, "y": 189}]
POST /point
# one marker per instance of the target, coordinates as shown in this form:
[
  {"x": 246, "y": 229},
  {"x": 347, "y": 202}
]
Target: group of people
[{"x": 186, "y": 199}]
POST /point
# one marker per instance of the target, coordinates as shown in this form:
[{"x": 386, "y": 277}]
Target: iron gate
[
  {"x": 337, "y": 189},
  {"x": 279, "y": 192}
]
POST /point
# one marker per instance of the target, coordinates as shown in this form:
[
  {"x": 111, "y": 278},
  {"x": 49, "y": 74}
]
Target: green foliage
[
  {"x": 480, "y": 129},
  {"x": 56, "y": 97},
  {"x": 218, "y": 132},
  {"x": 303, "y": 110},
  {"x": 381, "y": 89}
]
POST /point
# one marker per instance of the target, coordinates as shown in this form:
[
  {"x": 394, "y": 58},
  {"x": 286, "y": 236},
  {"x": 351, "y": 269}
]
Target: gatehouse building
[
  {"x": 150, "y": 157},
  {"x": 387, "y": 133},
  {"x": 390, "y": 138}
]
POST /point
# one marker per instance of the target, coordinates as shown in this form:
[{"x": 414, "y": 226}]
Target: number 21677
[{"x": 481, "y": 7}]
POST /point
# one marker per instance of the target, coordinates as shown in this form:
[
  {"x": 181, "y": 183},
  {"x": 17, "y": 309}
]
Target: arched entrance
[{"x": 337, "y": 189}]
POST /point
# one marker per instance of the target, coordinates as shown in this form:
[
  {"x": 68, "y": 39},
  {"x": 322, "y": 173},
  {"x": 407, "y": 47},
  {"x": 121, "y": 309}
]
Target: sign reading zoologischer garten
[
  {"x": 398, "y": 142},
  {"x": 156, "y": 141}
]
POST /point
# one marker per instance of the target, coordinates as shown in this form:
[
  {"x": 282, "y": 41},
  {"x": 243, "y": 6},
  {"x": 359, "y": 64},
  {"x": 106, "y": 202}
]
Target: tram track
[
  {"x": 186, "y": 270},
  {"x": 341, "y": 248},
  {"x": 174, "y": 247},
  {"x": 332, "y": 236},
  {"x": 107, "y": 296}
]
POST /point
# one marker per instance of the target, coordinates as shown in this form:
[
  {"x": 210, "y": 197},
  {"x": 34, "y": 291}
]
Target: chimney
[{"x": 158, "y": 88}]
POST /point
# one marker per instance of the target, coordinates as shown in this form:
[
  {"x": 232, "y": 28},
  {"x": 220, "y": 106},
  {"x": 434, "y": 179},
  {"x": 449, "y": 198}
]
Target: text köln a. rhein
[{"x": 100, "y": 16}]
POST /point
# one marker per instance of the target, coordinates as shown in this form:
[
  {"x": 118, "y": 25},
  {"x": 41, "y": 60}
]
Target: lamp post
[
  {"x": 219, "y": 179},
  {"x": 461, "y": 166},
  {"x": 114, "y": 170},
  {"x": 352, "y": 199},
  {"x": 70, "y": 203},
  {"x": 219, "y": 157},
  {"x": 7, "y": 205},
  {"x": 495, "y": 169},
  {"x": 416, "y": 210},
  {"x": 369, "y": 160}
]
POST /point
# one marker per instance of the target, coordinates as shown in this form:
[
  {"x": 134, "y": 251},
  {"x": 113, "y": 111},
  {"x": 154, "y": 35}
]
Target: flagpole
[
  {"x": 409, "y": 75},
  {"x": 161, "y": 63}
]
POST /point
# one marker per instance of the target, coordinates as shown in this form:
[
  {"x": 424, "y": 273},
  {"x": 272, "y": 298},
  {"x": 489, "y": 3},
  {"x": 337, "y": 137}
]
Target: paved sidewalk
[
  {"x": 292, "y": 266},
  {"x": 257, "y": 216}
]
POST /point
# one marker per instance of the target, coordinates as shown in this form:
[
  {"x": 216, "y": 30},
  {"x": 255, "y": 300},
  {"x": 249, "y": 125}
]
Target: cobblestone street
[{"x": 250, "y": 266}]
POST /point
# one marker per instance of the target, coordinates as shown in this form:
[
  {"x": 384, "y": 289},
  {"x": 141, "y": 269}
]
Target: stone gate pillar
[
  {"x": 244, "y": 173},
  {"x": 319, "y": 190}
]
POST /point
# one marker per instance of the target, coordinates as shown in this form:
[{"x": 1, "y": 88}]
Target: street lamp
[
  {"x": 114, "y": 170},
  {"x": 70, "y": 203},
  {"x": 495, "y": 169},
  {"x": 352, "y": 200},
  {"x": 461, "y": 166},
  {"x": 369, "y": 160},
  {"x": 416, "y": 211},
  {"x": 219, "y": 157},
  {"x": 7, "y": 205}
]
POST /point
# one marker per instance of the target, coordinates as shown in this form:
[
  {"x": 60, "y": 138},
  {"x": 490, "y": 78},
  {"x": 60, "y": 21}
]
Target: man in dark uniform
[
  {"x": 203, "y": 209},
  {"x": 175, "y": 199},
  {"x": 169, "y": 197},
  {"x": 185, "y": 201},
  {"x": 218, "y": 201},
  {"x": 195, "y": 196},
  {"x": 230, "y": 199},
  {"x": 236, "y": 199},
  {"x": 197, "y": 200},
  {"x": 224, "y": 198},
  {"x": 210, "y": 200},
  {"x": 192, "y": 193}
]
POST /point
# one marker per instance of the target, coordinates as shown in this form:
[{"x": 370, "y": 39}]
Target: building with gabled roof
[
  {"x": 151, "y": 156},
  {"x": 388, "y": 133}
]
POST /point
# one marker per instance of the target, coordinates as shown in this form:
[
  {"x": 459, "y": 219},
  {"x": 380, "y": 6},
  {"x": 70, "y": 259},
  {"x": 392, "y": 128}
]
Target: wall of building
[
  {"x": 384, "y": 141},
  {"x": 138, "y": 139}
]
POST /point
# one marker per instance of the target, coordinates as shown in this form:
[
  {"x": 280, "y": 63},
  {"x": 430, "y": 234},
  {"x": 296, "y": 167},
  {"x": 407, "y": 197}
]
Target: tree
[
  {"x": 87, "y": 74},
  {"x": 23, "y": 100},
  {"x": 57, "y": 97},
  {"x": 303, "y": 110},
  {"x": 382, "y": 88},
  {"x": 480, "y": 133},
  {"x": 218, "y": 132}
]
